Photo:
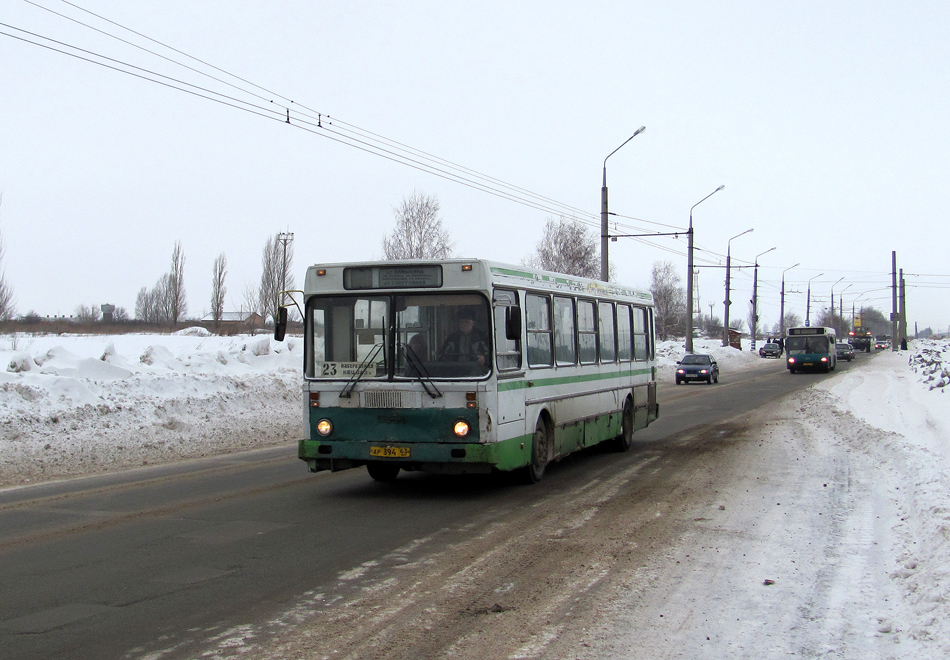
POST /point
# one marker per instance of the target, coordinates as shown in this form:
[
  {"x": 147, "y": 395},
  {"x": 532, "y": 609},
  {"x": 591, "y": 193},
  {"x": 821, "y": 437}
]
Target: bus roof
[{"x": 433, "y": 274}]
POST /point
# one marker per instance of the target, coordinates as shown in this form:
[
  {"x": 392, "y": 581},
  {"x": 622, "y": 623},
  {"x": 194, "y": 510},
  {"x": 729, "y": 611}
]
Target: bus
[
  {"x": 811, "y": 348},
  {"x": 469, "y": 366}
]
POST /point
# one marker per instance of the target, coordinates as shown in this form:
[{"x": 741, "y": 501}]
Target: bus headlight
[
  {"x": 324, "y": 427},
  {"x": 791, "y": 360},
  {"x": 824, "y": 359},
  {"x": 461, "y": 428}
]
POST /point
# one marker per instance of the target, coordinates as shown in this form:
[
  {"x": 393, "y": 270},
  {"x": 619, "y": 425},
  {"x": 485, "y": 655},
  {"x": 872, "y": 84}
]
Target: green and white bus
[
  {"x": 469, "y": 366},
  {"x": 812, "y": 348}
]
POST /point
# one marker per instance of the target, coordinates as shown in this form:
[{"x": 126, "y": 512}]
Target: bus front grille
[{"x": 388, "y": 399}]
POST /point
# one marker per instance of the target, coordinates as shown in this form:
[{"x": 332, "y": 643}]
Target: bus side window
[
  {"x": 608, "y": 344},
  {"x": 586, "y": 332},
  {"x": 538, "y": 312},
  {"x": 565, "y": 352},
  {"x": 507, "y": 315},
  {"x": 641, "y": 324},
  {"x": 624, "y": 334}
]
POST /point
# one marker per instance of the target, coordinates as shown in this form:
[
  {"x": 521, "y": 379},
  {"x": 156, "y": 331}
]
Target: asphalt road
[{"x": 168, "y": 561}]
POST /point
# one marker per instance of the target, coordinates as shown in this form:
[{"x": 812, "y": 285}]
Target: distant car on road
[
  {"x": 697, "y": 367},
  {"x": 770, "y": 350},
  {"x": 845, "y": 351},
  {"x": 881, "y": 344}
]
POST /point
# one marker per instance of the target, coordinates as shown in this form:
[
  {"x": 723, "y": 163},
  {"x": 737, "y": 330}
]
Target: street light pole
[
  {"x": 727, "y": 301},
  {"x": 833, "y": 297},
  {"x": 808, "y": 304},
  {"x": 604, "y": 233},
  {"x": 689, "y": 272},
  {"x": 782, "y": 305},
  {"x": 755, "y": 297}
]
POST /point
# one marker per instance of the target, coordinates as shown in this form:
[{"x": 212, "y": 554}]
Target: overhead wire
[{"x": 372, "y": 142}]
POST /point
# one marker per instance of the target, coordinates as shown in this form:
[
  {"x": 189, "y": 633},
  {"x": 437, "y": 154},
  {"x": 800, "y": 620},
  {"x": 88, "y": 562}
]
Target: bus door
[{"x": 508, "y": 361}]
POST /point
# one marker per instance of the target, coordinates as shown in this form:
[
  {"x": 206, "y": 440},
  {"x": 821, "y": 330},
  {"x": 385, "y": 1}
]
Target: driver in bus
[{"x": 466, "y": 345}]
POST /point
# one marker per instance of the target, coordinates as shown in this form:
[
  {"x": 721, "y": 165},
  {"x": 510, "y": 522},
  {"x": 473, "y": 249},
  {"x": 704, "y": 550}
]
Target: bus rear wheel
[
  {"x": 384, "y": 472},
  {"x": 540, "y": 442},
  {"x": 624, "y": 441}
]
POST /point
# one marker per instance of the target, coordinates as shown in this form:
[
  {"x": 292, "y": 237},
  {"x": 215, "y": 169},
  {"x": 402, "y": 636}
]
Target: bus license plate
[
  {"x": 390, "y": 452},
  {"x": 808, "y": 364}
]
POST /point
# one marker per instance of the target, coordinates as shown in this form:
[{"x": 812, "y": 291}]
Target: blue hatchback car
[{"x": 697, "y": 367}]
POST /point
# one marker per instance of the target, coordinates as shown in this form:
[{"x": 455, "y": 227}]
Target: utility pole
[
  {"x": 604, "y": 213},
  {"x": 689, "y": 272},
  {"x": 894, "y": 315},
  {"x": 903, "y": 314},
  {"x": 285, "y": 238}
]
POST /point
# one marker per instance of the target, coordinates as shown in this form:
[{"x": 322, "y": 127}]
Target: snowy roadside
[
  {"x": 828, "y": 536},
  {"x": 73, "y": 405}
]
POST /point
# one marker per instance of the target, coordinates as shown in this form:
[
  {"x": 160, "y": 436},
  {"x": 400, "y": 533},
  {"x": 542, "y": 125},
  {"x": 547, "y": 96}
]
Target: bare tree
[
  {"x": 7, "y": 306},
  {"x": 218, "y": 290},
  {"x": 252, "y": 299},
  {"x": 792, "y": 320},
  {"x": 419, "y": 232},
  {"x": 276, "y": 276},
  {"x": 669, "y": 298},
  {"x": 177, "y": 303},
  {"x": 145, "y": 306},
  {"x": 567, "y": 247},
  {"x": 87, "y": 314}
]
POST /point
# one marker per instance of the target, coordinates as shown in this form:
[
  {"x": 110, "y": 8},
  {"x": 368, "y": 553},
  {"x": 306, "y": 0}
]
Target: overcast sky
[{"x": 826, "y": 122}]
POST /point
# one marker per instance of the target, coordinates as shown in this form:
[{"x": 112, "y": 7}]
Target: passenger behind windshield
[
  {"x": 417, "y": 352},
  {"x": 466, "y": 344}
]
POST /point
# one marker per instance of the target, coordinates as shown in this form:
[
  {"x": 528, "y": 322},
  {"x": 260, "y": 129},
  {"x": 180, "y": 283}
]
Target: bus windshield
[
  {"x": 406, "y": 336},
  {"x": 798, "y": 345}
]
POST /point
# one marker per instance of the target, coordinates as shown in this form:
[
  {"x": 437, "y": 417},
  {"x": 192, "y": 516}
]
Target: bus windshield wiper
[
  {"x": 422, "y": 374},
  {"x": 361, "y": 370}
]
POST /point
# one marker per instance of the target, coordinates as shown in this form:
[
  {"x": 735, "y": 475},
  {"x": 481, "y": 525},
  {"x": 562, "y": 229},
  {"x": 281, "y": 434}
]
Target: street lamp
[
  {"x": 782, "y": 305},
  {"x": 808, "y": 304},
  {"x": 841, "y": 302},
  {"x": 755, "y": 297},
  {"x": 727, "y": 302},
  {"x": 689, "y": 273},
  {"x": 604, "y": 268},
  {"x": 833, "y": 298}
]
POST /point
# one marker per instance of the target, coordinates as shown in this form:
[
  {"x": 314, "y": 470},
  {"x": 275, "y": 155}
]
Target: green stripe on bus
[{"x": 507, "y": 386}]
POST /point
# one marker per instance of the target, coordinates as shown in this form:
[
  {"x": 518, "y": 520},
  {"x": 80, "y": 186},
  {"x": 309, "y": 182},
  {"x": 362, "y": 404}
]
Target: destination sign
[
  {"x": 337, "y": 369},
  {"x": 806, "y": 331},
  {"x": 392, "y": 277}
]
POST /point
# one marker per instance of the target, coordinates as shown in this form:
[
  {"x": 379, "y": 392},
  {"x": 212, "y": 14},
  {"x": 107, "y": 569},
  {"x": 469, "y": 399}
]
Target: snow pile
[
  {"x": 901, "y": 423},
  {"x": 729, "y": 359},
  {"x": 78, "y": 404},
  {"x": 930, "y": 360}
]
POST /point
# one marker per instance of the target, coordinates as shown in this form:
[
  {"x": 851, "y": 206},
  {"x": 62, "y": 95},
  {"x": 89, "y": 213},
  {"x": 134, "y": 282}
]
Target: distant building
[{"x": 236, "y": 321}]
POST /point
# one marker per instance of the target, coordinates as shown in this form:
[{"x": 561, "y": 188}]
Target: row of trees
[{"x": 166, "y": 302}]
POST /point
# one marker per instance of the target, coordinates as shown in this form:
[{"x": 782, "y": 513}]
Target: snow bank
[
  {"x": 901, "y": 422},
  {"x": 72, "y": 404}
]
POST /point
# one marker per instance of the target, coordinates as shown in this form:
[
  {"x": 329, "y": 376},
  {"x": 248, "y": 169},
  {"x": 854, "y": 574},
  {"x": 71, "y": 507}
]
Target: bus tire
[
  {"x": 540, "y": 443},
  {"x": 384, "y": 472},
  {"x": 624, "y": 441}
]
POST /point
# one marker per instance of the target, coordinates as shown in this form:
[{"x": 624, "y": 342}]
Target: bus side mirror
[
  {"x": 280, "y": 325},
  {"x": 513, "y": 323}
]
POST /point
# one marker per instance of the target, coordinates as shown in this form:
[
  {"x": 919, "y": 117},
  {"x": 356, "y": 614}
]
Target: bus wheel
[
  {"x": 534, "y": 471},
  {"x": 382, "y": 471},
  {"x": 624, "y": 441}
]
